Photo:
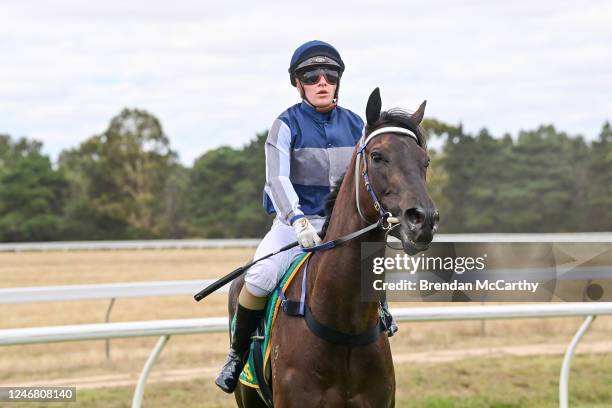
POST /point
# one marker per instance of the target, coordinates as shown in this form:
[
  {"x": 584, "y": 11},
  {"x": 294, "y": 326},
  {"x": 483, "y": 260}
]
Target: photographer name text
[{"x": 426, "y": 285}]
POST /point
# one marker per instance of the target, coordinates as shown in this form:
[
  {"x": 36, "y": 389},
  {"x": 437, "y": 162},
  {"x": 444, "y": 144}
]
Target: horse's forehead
[{"x": 392, "y": 141}]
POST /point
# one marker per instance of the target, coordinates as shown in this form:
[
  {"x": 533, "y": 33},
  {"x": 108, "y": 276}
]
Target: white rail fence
[
  {"x": 252, "y": 243},
  {"x": 104, "y": 291},
  {"x": 129, "y": 245},
  {"x": 166, "y": 328}
]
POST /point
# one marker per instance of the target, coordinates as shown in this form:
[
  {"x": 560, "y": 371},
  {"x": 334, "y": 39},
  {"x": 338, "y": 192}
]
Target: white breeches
[{"x": 261, "y": 278}]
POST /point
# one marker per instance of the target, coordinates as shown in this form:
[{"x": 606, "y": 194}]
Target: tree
[
  {"x": 32, "y": 193},
  {"x": 545, "y": 167},
  {"x": 459, "y": 160},
  {"x": 225, "y": 197},
  {"x": 599, "y": 183},
  {"x": 535, "y": 184},
  {"x": 118, "y": 178},
  {"x": 441, "y": 129},
  {"x": 173, "y": 220}
]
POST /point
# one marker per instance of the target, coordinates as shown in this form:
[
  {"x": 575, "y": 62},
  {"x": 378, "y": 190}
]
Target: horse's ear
[
  {"x": 373, "y": 107},
  {"x": 419, "y": 114}
]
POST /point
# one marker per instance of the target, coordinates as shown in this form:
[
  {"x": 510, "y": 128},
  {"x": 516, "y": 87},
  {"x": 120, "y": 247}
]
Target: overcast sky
[{"x": 215, "y": 73}]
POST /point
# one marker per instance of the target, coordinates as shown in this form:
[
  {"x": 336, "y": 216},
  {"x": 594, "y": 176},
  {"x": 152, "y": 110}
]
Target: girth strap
[
  {"x": 301, "y": 308},
  {"x": 264, "y": 390},
  {"x": 292, "y": 307},
  {"x": 347, "y": 339}
]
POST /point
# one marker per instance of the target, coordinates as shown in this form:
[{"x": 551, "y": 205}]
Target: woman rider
[{"x": 308, "y": 149}]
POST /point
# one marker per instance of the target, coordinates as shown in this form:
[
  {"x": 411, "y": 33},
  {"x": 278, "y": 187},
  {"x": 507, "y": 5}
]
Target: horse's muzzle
[{"x": 418, "y": 226}]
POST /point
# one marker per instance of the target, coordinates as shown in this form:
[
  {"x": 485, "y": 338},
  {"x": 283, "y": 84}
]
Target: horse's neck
[{"x": 335, "y": 276}]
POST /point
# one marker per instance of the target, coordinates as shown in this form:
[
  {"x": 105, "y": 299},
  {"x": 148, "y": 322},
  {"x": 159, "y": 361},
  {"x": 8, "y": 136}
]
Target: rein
[{"x": 386, "y": 221}]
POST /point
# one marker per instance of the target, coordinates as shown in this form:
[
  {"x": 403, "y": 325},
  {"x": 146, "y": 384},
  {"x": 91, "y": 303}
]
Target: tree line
[{"x": 127, "y": 183}]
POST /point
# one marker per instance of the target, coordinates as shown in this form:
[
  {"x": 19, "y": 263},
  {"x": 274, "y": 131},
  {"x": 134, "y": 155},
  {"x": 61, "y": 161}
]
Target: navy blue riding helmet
[{"x": 315, "y": 53}]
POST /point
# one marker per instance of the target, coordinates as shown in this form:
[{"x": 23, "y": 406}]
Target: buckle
[{"x": 387, "y": 221}]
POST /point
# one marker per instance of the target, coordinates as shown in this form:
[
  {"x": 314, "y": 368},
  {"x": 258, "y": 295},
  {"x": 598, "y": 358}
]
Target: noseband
[{"x": 363, "y": 142}]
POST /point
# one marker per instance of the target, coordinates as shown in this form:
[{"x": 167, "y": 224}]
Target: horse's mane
[
  {"x": 393, "y": 117},
  {"x": 400, "y": 118}
]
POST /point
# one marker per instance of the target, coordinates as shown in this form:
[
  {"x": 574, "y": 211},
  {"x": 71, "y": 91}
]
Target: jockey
[{"x": 308, "y": 149}]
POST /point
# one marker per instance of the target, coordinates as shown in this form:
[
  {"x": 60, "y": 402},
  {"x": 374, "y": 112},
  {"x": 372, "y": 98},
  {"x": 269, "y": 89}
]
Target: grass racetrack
[{"x": 506, "y": 363}]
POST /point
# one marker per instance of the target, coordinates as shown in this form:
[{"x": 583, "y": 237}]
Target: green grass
[
  {"x": 504, "y": 383},
  {"x": 198, "y": 393},
  {"x": 483, "y": 383}
]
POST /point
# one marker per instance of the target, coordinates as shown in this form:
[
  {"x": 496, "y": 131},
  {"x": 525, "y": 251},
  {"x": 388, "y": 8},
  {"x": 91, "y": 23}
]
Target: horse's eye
[
  {"x": 427, "y": 163},
  {"x": 377, "y": 157}
]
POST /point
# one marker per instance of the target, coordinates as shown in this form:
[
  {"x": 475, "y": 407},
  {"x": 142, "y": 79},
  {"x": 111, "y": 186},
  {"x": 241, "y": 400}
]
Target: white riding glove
[{"x": 306, "y": 234}]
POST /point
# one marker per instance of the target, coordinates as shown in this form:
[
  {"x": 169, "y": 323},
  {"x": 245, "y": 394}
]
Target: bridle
[{"x": 386, "y": 219}]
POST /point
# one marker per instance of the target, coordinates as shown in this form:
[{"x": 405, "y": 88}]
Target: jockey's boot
[
  {"x": 246, "y": 323},
  {"x": 388, "y": 319}
]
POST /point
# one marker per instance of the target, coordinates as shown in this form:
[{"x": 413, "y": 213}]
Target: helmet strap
[{"x": 300, "y": 88}]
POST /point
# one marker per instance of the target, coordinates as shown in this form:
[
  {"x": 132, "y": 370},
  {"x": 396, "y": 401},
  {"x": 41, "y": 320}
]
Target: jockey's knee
[
  {"x": 252, "y": 297},
  {"x": 261, "y": 278}
]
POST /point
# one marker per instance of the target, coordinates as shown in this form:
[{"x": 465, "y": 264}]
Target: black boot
[
  {"x": 388, "y": 319},
  {"x": 246, "y": 323}
]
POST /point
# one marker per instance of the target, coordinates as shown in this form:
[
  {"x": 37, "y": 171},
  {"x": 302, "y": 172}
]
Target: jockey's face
[{"x": 319, "y": 94}]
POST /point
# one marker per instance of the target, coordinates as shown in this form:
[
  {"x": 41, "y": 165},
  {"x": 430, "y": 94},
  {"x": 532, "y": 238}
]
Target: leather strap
[
  {"x": 264, "y": 390},
  {"x": 347, "y": 339},
  {"x": 339, "y": 241}
]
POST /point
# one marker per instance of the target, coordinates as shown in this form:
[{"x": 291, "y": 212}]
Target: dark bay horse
[{"x": 308, "y": 371}]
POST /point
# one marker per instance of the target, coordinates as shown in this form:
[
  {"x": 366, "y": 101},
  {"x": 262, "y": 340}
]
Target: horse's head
[{"x": 395, "y": 160}]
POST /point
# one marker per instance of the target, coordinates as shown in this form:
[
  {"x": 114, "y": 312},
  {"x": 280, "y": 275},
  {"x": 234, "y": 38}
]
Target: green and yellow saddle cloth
[{"x": 248, "y": 376}]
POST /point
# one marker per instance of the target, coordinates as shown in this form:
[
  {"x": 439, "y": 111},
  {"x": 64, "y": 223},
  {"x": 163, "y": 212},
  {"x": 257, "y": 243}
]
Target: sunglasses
[{"x": 312, "y": 76}]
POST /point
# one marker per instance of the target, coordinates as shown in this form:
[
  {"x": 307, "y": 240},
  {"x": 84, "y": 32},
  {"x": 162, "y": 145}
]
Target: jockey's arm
[
  {"x": 278, "y": 168},
  {"x": 278, "y": 185}
]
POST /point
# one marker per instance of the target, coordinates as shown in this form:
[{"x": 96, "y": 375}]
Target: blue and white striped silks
[{"x": 306, "y": 154}]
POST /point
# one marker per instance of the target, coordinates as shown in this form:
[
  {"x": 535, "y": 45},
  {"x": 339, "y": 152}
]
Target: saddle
[{"x": 257, "y": 371}]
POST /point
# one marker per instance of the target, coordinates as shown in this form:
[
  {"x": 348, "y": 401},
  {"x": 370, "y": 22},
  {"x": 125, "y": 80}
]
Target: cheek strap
[{"x": 363, "y": 142}]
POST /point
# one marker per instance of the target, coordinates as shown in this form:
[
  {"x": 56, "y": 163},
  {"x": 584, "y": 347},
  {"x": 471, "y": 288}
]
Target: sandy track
[{"x": 444, "y": 356}]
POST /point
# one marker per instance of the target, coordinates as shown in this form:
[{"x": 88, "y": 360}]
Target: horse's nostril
[{"x": 415, "y": 216}]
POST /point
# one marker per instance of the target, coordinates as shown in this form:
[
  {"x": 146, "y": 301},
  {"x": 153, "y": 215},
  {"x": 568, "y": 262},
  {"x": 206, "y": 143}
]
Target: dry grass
[
  {"x": 47, "y": 361},
  {"x": 78, "y": 267}
]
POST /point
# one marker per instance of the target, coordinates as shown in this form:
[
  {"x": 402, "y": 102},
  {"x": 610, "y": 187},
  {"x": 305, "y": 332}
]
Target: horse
[{"x": 307, "y": 370}]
